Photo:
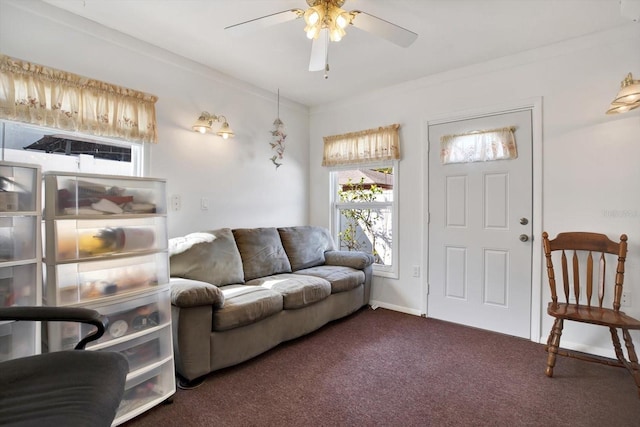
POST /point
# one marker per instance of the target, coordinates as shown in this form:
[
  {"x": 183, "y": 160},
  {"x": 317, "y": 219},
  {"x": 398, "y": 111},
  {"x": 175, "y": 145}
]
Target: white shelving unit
[
  {"x": 20, "y": 255},
  {"x": 106, "y": 249}
]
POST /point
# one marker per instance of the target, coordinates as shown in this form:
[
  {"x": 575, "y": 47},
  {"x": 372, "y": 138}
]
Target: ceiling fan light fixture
[
  {"x": 336, "y": 34},
  {"x": 313, "y": 16},
  {"x": 328, "y": 15},
  {"x": 343, "y": 19},
  {"x": 313, "y": 32}
]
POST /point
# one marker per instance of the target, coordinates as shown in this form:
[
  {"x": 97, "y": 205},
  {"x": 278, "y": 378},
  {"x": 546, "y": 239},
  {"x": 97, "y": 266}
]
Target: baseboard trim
[{"x": 379, "y": 304}]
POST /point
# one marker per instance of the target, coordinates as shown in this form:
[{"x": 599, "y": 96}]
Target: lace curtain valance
[
  {"x": 48, "y": 97},
  {"x": 479, "y": 146},
  {"x": 367, "y": 146}
]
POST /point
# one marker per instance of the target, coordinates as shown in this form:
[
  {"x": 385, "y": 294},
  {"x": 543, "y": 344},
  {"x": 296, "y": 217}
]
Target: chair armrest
[
  {"x": 60, "y": 314},
  {"x": 353, "y": 259}
]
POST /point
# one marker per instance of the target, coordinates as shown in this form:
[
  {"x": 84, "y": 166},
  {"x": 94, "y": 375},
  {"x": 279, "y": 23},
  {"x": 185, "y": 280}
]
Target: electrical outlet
[
  {"x": 416, "y": 271},
  {"x": 204, "y": 204},
  {"x": 625, "y": 301},
  {"x": 176, "y": 202}
]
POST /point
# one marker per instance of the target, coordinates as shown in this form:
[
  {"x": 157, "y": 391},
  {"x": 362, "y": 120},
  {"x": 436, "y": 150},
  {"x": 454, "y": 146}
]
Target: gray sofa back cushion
[
  {"x": 261, "y": 251},
  {"x": 217, "y": 262},
  {"x": 306, "y": 245}
]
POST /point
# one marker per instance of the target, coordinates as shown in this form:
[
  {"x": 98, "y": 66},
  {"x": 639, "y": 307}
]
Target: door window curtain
[
  {"x": 44, "y": 96},
  {"x": 479, "y": 146},
  {"x": 367, "y": 146}
]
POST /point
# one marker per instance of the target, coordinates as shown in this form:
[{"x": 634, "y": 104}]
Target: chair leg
[
  {"x": 616, "y": 345},
  {"x": 553, "y": 344},
  {"x": 633, "y": 366}
]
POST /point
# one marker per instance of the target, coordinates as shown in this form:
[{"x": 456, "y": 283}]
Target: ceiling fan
[{"x": 326, "y": 22}]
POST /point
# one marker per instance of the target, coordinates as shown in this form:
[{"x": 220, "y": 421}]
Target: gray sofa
[{"x": 240, "y": 292}]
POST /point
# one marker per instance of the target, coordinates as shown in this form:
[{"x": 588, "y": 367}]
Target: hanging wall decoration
[{"x": 277, "y": 138}]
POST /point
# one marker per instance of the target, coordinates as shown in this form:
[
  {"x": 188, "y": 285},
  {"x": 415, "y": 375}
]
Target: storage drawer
[
  {"x": 18, "y": 285},
  {"x": 146, "y": 390},
  {"x": 18, "y": 238},
  {"x": 83, "y": 239},
  {"x": 146, "y": 349},
  {"x": 18, "y": 185},
  {"x": 17, "y": 340},
  {"x": 85, "y": 194},
  {"x": 85, "y": 281},
  {"x": 125, "y": 318}
]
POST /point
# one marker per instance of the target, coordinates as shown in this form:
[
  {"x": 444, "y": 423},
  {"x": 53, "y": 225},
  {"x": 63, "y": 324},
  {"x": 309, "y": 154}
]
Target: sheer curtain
[
  {"x": 367, "y": 146},
  {"x": 479, "y": 146},
  {"x": 44, "y": 96}
]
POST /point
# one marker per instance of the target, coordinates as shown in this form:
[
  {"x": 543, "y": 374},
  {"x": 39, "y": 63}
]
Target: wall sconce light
[
  {"x": 628, "y": 97},
  {"x": 205, "y": 121}
]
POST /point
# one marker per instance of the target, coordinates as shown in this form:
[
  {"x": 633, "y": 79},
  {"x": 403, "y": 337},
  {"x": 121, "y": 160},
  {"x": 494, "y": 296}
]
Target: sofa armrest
[
  {"x": 194, "y": 293},
  {"x": 192, "y": 306},
  {"x": 353, "y": 259}
]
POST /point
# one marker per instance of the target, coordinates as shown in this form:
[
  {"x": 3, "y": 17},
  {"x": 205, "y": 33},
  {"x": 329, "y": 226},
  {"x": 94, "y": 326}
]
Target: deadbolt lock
[{"x": 524, "y": 221}]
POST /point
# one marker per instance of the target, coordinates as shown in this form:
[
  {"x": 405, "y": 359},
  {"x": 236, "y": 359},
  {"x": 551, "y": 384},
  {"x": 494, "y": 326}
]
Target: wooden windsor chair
[{"x": 581, "y": 246}]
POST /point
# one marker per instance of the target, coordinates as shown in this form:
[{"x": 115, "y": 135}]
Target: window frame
[{"x": 389, "y": 271}]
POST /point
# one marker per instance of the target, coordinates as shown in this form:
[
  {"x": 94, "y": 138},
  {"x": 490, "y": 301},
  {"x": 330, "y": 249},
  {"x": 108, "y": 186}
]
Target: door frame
[{"x": 535, "y": 106}]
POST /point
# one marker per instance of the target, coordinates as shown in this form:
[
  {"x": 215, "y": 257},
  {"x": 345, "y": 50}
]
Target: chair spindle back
[{"x": 594, "y": 245}]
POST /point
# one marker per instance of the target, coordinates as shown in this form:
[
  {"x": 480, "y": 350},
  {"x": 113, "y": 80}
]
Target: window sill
[{"x": 389, "y": 274}]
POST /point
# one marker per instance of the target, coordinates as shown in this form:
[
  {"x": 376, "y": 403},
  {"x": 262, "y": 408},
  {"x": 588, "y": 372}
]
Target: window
[
  {"x": 59, "y": 150},
  {"x": 479, "y": 146},
  {"x": 364, "y": 194},
  {"x": 365, "y": 213}
]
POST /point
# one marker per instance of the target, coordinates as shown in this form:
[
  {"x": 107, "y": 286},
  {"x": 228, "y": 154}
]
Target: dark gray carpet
[{"x": 379, "y": 367}]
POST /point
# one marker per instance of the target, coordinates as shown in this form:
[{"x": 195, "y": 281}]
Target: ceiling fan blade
[
  {"x": 264, "y": 21},
  {"x": 385, "y": 29},
  {"x": 319, "y": 50}
]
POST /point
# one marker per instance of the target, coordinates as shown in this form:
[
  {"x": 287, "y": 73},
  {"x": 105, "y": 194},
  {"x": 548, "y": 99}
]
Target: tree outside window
[{"x": 364, "y": 201}]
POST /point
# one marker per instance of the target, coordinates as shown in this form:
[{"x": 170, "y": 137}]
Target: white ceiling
[{"x": 452, "y": 34}]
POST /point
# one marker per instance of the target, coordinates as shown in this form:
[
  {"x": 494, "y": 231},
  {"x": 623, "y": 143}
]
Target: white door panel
[{"x": 479, "y": 269}]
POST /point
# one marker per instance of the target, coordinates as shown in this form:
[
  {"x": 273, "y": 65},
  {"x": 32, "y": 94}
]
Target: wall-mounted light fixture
[
  {"x": 205, "y": 121},
  {"x": 628, "y": 97}
]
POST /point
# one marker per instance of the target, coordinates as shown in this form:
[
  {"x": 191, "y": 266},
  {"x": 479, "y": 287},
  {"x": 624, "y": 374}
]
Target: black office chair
[{"x": 64, "y": 388}]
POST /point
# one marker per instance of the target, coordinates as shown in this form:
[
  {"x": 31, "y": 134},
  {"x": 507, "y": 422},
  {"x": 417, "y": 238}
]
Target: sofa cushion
[
  {"x": 297, "y": 290},
  {"x": 217, "y": 262},
  {"x": 305, "y": 245},
  {"x": 341, "y": 278},
  {"x": 194, "y": 293},
  {"x": 244, "y": 305},
  {"x": 261, "y": 251}
]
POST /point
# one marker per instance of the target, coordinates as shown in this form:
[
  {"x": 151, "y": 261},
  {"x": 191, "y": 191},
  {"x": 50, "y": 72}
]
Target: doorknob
[
  {"x": 524, "y": 221},
  {"x": 524, "y": 238}
]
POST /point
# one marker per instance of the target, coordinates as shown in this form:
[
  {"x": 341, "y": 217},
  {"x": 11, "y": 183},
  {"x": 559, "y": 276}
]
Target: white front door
[{"x": 480, "y": 213}]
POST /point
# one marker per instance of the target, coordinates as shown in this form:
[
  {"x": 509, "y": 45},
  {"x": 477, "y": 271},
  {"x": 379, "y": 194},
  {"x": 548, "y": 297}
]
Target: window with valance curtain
[
  {"x": 44, "y": 96},
  {"x": 367, "y": 146},
  {"x": 365, "y": 191}
]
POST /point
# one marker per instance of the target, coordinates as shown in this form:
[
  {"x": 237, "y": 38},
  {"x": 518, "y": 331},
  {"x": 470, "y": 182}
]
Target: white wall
[
  {"x": 236, "y": 176},
  {"x": 590, "y": 160}
]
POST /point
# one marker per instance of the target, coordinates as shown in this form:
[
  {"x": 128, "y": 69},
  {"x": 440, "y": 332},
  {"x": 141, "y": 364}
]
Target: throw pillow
[
  {"x": 305, "y": 245},
  {"x": 217, "y": 261},
  {"x": 261, "y": 251}
]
